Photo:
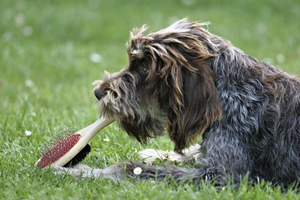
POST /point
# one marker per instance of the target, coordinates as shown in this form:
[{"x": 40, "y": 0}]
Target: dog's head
[{"x": 167, "y": 86}]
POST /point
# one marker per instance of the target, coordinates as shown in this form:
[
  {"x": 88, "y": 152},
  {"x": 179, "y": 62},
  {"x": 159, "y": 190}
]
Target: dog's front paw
[
  {"x": 149, "y": 156},
  {"x": 190, "y": 154}
]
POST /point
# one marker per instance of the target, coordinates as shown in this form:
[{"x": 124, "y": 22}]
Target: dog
[{"x": 188, "y": 82}]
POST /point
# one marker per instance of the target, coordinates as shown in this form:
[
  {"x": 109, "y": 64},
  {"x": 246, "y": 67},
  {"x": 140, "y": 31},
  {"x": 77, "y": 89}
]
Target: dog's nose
[{"x": 99, "y": 93}]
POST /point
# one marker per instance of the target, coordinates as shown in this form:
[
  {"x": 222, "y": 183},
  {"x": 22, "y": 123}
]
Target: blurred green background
[{"x": 52, "y": 50}]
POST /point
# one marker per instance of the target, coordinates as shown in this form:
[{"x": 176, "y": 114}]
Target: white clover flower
[
  {"x": 106, "y": 139},
  {"x": 137, "y": 171},
  {"x": 96, "y": 58},
  {"x": 28, "y": 133},
  {"x": 29, "y": 83}
]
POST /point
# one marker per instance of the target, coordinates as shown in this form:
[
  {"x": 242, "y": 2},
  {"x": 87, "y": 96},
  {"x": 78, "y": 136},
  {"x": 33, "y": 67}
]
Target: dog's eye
[{"x": 144, "y": 69}]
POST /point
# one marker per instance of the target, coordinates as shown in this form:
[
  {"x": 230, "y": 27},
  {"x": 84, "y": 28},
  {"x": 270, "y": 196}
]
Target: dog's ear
[{"x": 194, "y": 103}]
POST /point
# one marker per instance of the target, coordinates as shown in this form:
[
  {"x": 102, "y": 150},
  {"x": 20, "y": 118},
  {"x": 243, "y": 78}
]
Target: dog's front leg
[{"x": 114, "y": 172}]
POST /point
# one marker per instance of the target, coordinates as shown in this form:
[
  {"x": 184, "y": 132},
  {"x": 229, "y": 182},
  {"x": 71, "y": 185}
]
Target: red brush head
[{"x": 58, "y": 150}]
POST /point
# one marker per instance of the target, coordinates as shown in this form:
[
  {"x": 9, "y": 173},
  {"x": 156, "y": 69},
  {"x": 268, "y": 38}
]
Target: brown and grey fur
[{"x": 188, "y": 82}]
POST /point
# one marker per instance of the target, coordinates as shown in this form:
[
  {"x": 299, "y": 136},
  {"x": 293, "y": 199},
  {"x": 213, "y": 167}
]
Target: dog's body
[{"x": 189, "y": 82}]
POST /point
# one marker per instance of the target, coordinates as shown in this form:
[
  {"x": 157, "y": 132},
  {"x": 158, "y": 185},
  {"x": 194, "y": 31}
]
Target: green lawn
[{"x": 47, "y": 67}]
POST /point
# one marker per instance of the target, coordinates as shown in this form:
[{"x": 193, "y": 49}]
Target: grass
[{"x": 46, "y": 75}]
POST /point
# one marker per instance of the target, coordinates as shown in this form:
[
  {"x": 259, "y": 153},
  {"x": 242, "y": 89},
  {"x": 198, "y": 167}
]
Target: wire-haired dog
[{"x": 189, "y": 82}]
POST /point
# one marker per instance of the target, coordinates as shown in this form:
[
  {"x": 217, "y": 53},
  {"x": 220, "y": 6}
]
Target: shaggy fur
[{"x": 188, "y": 82}]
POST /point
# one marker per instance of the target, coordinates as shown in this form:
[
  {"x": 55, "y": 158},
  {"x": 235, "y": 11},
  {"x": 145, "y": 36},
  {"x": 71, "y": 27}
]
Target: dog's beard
[{"x": 139, "y": 115}]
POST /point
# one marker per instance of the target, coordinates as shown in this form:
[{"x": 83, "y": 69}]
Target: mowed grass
[{"x": 51, "y": 52}]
